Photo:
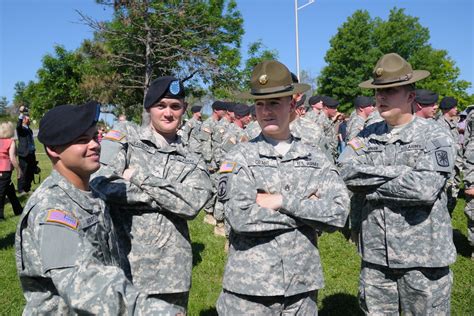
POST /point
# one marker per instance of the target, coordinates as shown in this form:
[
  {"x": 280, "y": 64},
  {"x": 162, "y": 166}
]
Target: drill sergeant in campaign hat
[
  {"x": 155, "y": 185},
  {"x": 277, "y": 192},
  {"x": 401, "y": 166},
  {"x": 66, "y": 246}
]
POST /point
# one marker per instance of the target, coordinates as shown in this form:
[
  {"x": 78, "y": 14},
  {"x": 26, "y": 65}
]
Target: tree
[
  {"x": 349, "y": 59},
  {"x": 3, "y": 105},
  {"x": 361, "y": 41},
  {"x": 59, "y": 81},
  {"x": 151, "y": 38}
]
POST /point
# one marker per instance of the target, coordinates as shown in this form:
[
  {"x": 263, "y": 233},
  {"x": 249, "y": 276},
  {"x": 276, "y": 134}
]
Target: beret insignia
[
  {"x": 263, "y": 79},
  {"x": 63, "y": 218},
  {"x": 174, "y": 87}
]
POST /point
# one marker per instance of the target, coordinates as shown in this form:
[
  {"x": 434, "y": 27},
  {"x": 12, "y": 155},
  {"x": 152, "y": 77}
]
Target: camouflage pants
[
  {"x": 417, "y": 291},
  {"x": 179, "y": 300},
  {"x": 209, "y": 207},
  {"x": 469, "y": 211},
  {"x": 234, "y": 304}
]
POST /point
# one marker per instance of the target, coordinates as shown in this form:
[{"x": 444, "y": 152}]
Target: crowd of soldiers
[{"x": 107, "y": 232}]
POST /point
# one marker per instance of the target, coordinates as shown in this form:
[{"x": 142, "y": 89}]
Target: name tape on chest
[
  {"x": 114, "y": 135},
  {"x": 63, "y": 218}
]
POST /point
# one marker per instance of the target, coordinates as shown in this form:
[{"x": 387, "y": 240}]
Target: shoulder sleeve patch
[
  {"x": 227, "y": 167},
  {"x": 63, "y": 218},
  {"x": 114, "y": 135},
  {"x": 356, "y": 144}
]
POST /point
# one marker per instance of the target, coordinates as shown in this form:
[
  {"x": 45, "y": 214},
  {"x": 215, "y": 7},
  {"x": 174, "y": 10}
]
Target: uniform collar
[
  {"x": 87, "y": 200},
  {"x": 266, "y": 149}
]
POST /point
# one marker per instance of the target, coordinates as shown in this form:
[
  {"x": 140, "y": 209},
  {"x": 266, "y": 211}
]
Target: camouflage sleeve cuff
[
  {"x": 290, "y": 204},
  {"x": 138, "y": 178},
  {"x": 373, "y": 196}
]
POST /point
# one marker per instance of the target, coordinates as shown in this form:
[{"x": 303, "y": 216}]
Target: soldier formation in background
[{"x": 266, "y": 177}]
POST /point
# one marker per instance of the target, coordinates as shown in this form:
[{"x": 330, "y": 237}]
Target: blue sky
[{"x": 29, "y": 29}]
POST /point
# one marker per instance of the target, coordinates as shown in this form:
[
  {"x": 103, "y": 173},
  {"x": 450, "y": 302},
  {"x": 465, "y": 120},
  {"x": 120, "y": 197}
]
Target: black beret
[
  {"x": 252, "y": 110},
  {"x": 329, "y": 102},
  {"x": 196, "y": 108},
  {"x": 426, "y": 96},
  {"x": 64, "y": 123},
  {"x": 301, "y": 101},
  {"x": 219, "y": 105},
  {"x": 241, "y": 109},
  {"x": 363, "y": 101},
  {"x": 448, "y": 103},
  {"x": 168, "y": 86},
  {"x": 314, "y": 99}
]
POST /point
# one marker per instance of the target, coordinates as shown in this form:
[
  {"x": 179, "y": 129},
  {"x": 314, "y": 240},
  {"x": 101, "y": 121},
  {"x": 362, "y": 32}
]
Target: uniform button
[{"x": 287, "y": 187}]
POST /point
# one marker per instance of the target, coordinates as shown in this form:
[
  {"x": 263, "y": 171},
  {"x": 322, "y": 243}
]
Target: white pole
[{"x": 297, "y": 44}]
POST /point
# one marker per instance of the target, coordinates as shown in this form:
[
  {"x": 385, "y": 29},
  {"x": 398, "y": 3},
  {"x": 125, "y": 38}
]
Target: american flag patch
[
  {"x": 227, "y": 167},
  {"x": 114, "y": 135},
  {"x": 61, "y": 217},
  {"x": 355, "y": 143}
]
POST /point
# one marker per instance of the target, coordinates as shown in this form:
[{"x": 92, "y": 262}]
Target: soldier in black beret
[
  {"x": 190, "y": 130},
  {"x": 315, "y": 107},
  {"x": 364, "y": 106},
  {"x": 426, "y": 103}
]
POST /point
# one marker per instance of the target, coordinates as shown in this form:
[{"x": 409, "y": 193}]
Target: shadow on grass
[
  {"x": 462, "y": 244},
  {"x": 340, "y": 304},
  {"x": 209, "y": 312},
  {"x": 7, "y": 241},
  {"x": 197, "y": 249}
]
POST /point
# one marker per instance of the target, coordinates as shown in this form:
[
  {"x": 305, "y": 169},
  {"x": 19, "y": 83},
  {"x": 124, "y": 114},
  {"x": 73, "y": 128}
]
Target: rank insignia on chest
[
  {"x": 63, "y": 218},
  {"x": 356, "y": 144},
  {"x": 114, "y": 135},
  {"x": 227, "y": 167}
]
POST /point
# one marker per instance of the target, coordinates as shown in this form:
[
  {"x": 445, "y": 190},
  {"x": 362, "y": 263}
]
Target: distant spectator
[
  {"x": 8, "y": 161},
  {"x": 26, "y": 151},
  {"x": 122, "y": 118}
]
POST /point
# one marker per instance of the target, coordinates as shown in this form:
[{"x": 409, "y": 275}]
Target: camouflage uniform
[
  {"x": 68, "y": 258},
  {"x": 273, "y": 253},
  {"x": 329, "y": 129},
  {"x": 253, "y": 129},
  {"x": 405, "y": 228},
  {"x": 168, "y": 188},
  {"x": 217, "y": 139},
  {"x": 469, "y": 174},
  {"x": 205, "y": 138},
  {"x": 311, "y": 134},
  {"x": 230, "y": 137},
  {"x": 373, "y": 118},
  {"x": 190, "y": 135},
  {"x": 354, "y": 126},
  {"x": 453, "y": 184}
]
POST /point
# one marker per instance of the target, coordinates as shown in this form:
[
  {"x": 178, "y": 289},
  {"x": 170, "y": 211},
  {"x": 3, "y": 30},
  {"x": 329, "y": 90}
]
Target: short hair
[{"x": 7, "y": 130}]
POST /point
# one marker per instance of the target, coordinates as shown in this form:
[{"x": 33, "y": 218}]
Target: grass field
[{"x": 340, "y": 260}]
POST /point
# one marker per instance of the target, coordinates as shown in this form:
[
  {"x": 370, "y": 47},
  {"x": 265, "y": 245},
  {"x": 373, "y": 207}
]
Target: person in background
[
  {"x": 26, "y": 151},
  {"x": 426, "y": 103},
  {"x": 8, "y": 161}
]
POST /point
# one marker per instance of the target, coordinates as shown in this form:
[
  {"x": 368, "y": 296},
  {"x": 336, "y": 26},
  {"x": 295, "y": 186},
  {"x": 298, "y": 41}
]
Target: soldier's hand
[
  {"x": 273, "y": 201},
  {"x": 127, "y": 173},
  {"x": 469, "y": 192}
]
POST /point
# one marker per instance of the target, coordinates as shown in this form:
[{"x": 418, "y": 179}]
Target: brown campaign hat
[
  {"x": 271, "y": 79},
  {"x": 392, "y": 70}
]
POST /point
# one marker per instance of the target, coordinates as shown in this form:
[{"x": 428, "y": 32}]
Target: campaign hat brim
[
  {"x": 417, "y": 75},
  {"x": 297, "y": 88}
]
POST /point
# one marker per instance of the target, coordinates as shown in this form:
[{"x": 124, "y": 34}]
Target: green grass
[{"x": 340, "y": 261}]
